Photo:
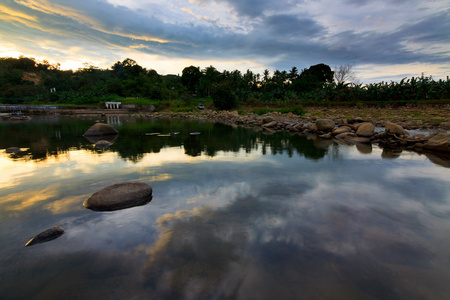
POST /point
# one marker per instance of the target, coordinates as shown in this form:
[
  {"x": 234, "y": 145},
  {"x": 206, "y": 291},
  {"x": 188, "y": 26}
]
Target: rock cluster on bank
[
  {"x": 393, "y": 136},
  {"x": 352, "y": 130}
]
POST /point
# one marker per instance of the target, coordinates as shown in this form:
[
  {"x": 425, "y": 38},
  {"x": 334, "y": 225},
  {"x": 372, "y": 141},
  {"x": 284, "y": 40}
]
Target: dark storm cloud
[
  {"x": 277, "y": 34},
  {"x": 371, "y": 47},
  {"x": 254, "y": 8},
  {"x": 289, "y": 35},
  {"x": 364, "y": 2},
  {"x": 290, "y": 25},
  {"x": 434, "y": 28}
]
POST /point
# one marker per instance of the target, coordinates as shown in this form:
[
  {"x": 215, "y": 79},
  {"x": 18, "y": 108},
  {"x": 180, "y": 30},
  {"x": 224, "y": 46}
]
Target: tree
[
  {"x": 293, "y": 73},
  {"x": 343, "y": 74},
  {"x": 190, "y": 77},
  {"x": 313, "y": 78},
  {"x": 223, "y": 97},
  {"x": 210, "y": 76},
  {"x": 322, "y": 72}
]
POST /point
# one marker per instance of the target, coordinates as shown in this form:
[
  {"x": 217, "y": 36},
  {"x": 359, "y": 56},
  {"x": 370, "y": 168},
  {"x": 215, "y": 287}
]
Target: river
[{"x": 236, "y": 214}]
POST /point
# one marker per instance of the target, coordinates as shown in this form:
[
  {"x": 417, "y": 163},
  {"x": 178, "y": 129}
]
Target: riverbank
[
  {"x": 434, "y": 118},
  {"x": 410, "y": 118}
]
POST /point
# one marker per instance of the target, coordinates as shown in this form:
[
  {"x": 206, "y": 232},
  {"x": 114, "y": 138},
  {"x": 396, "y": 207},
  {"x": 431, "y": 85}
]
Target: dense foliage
[
  {"x": 223, "y": 97},
  {"x": 25, "y": 79}
]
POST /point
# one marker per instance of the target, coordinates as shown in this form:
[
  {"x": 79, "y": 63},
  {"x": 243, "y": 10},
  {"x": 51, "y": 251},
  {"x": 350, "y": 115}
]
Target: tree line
[{"x": 27, "y": 79}]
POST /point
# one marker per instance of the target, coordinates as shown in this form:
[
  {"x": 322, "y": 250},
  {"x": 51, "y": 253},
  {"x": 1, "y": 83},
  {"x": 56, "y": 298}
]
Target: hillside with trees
[{"x": 25, "y": 80}]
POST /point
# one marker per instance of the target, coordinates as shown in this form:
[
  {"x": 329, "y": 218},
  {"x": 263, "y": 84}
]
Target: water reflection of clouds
[
  {"x": 337, "y": 228},
  {"x": 21, "y": 200},
  {"x": 11, "y": 171},
  {"x": 67, "y": 204},
  {"x": 208, "y": 253},
  {"x": 276, "y": 228}
]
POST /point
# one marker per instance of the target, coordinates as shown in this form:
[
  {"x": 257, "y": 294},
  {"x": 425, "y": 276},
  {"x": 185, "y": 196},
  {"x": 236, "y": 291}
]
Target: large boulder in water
[
  {"x": 365, "y": 130},
  {"x": 46, "y": 235},
  {"x": 120, "y": 196},
  {"x": 99, "y": 129},
  {"x": 325, "y": 125}
]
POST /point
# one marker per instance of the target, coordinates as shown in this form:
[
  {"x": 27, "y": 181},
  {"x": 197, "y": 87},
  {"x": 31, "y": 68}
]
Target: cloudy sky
[{"x": 383, "y": 40}]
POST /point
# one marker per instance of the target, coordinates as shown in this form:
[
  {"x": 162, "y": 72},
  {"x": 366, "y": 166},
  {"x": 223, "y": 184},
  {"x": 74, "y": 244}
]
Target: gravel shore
[{"x": 409, "y": 117}]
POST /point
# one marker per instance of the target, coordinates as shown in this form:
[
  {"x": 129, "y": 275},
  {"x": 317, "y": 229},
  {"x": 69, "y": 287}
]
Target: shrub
[
  {"x": 298, "y": 110},
  {"x": 223, "y": 97},
  {"x": 262, "y": 110}
]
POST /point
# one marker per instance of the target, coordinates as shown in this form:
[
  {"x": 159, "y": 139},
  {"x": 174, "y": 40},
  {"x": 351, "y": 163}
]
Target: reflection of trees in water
[
  {"x": 51, "y": 138},
  {"x": 43, "y": 138},
  {"x": 54, "y": 136}
]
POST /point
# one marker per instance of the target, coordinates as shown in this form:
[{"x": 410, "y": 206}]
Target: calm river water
[{"x": 236, "y": 214}]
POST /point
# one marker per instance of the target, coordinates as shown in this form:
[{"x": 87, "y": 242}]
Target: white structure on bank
[{"x": 112, "y": 105}]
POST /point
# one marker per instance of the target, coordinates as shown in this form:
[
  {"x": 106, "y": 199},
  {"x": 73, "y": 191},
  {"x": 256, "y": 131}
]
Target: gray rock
[
  {"x": 342, "y": 129},
  {"x": 267, "y": 119},
  {"x": 270, "y": 124},
  {"x": 326, "y": 135},
  {"x": 311, "y": 127},
  {"x": 365, "y": 129},
  {"x": 392, "y": 128},
  {"x": 439, "y": 142},
  {"x": 101, "y": 129},
  {"x": 46, "y": 235},
  {"x": 120, "y": 196},
  {"x": 343, "y": 135},
  {"x": 325, "y": 125}
]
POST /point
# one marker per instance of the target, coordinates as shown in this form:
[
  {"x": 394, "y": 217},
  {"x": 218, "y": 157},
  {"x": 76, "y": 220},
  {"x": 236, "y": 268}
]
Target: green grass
[{"x": 138, "y": 101}]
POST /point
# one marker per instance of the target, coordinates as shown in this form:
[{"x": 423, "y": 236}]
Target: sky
[{"x": 383, "y": 40}]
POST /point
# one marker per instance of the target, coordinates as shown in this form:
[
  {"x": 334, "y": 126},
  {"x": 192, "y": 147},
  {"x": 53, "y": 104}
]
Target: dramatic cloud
[{"x": 234, "y": 34}]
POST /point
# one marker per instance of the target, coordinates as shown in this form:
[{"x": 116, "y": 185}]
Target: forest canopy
[{"x": 25, "y": 79}]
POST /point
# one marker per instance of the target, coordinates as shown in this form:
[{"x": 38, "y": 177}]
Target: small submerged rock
[
  {"x": 119, "y": 196},
  {"x": 46, "y": 236}
]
